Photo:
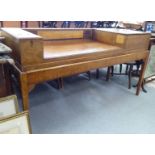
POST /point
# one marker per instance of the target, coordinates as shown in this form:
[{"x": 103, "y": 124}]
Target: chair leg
[
  {"x": 60, "y": 83},
  {"x": 110, "y": 68},
  {"x": 97, "y": 73},
  {"x": 138, "y": 66},
  {"x": 120, "y": 69},
  {"x": 89, "y": 75},
  {"x": 129, "y": 76},
  {"x": 126, "y": 71}
]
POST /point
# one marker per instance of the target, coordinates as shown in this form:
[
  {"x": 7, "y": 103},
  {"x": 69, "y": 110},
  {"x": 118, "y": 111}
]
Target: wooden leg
[
  {"x": 137, "y": 70},
  {"x": 97, "y": 73},
  {"x": 126, "y": 71},
  {"x": 108, "y": 73},
  {"x": 59, "y": 83},
  {"x": 89, "y": 75},
  {"x": 130, "y": 76},
  {"x": 120, "y": 68},
  {"x": 62, "y": 82},
  {"x": 112, "y": 70},
  {"x": 142, "y": 75},
  {"x": 24, "y": 91}
]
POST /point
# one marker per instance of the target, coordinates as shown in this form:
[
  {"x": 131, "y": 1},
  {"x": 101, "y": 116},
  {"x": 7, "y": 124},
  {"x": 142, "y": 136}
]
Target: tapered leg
[
  {"x": 97, "y": 73},
  {"x": 126, "y": 70},
  {"x": 61, "y": 82},
  {"x": 112, "y": 70},
  {"x": 130, "y": 76},
  {"x": 24, "y": 91},
  {"x": 142, "y": 75},
  {"x": 89, "y": 75},
  {"x": 108, "y": 73},
  {"x": 120, "y": 69}
]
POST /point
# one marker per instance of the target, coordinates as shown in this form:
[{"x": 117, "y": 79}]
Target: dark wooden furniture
[
  {"x": 46, "y": 54},
  {"x": 129, "y": 71},
  {"x": 5, "y": 82}
]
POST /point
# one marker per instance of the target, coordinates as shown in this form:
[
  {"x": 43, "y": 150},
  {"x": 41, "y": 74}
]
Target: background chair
[
  {"x": 49, "y": 24},
  {"x": 132, "y": 70},
  {"x": 104, "y": 24},
  {"x": 66, "y": 24},
  {"x": 81, "y": 24}
]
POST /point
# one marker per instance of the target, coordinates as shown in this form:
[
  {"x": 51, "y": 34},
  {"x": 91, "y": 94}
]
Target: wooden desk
[{"x": 46, "y": 54}]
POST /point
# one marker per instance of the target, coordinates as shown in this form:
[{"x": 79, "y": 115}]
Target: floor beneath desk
[{"x": 94, "y": 106}]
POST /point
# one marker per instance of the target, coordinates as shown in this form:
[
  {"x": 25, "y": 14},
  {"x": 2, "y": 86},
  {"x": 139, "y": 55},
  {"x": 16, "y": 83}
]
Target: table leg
[
  {"x": 24, "y": 91},
  {"x": 141, "y": 78}
]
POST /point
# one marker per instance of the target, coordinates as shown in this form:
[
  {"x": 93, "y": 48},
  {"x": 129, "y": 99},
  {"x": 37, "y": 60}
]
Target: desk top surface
[
  {"x": 123, "y": 31},
  {"x": 20, "y": 34},
  {"x": 66, "y": 48}
]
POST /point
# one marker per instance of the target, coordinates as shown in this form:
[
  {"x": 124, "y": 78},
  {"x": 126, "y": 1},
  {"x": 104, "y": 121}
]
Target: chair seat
[{"x": 139, "y": 62}]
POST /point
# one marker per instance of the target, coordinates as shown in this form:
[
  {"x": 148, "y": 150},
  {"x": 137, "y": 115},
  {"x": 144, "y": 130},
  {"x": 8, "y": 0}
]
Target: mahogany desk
[{"x": 46, "y": 54}]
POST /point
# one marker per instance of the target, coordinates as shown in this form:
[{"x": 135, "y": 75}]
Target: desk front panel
[{"x": 40, "y": 75}]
